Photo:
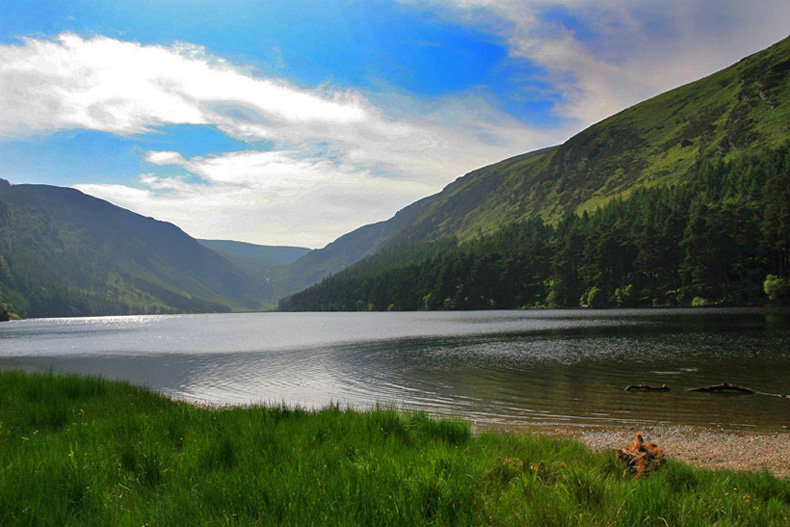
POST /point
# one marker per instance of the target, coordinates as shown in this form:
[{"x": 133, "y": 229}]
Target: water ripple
[{"x": 493, "y": 368}]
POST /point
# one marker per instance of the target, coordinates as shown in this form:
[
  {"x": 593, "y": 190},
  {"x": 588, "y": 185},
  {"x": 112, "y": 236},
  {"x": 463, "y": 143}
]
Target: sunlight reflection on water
[{"x": 505, "y": 368}]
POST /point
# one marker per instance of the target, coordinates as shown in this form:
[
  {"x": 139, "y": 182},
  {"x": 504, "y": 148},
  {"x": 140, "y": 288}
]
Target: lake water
[{"x": 495, "y": 368}]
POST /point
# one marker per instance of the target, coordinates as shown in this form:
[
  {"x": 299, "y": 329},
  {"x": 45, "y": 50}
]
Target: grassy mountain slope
[
  {"x": 659, "y": 142},
  {"x": 259, "y": 261},
  {"x": 64, "y": 253}
]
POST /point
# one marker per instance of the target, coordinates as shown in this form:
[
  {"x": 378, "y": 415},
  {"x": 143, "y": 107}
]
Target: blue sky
[{"x": 293, "y": 122}]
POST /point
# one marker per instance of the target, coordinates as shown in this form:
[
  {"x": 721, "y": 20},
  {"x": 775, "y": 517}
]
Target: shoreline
[{"x": 699, "y": 446}]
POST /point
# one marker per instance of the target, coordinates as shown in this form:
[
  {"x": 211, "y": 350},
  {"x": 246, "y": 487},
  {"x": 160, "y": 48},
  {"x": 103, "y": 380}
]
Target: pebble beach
[{"x": 716, "y": 449}]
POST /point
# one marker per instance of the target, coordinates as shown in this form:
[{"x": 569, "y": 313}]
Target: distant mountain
[
  {"x": 63, "y": 253},
  {"x": 267, "y": 256},
  {"x": 268, "y": 264},
  {"x": 343, "y": 252},
  {"x": 667, "y": 141}
]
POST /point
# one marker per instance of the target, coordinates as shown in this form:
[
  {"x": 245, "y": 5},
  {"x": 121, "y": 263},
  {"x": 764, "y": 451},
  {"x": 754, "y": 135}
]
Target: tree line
[{"x": 720, "y": 238}]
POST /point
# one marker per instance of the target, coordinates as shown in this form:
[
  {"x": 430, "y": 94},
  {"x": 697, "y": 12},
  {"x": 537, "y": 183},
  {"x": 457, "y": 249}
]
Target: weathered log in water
[
  {"x": 723, "y": 387},
  {"x": 646, "y": 388}
]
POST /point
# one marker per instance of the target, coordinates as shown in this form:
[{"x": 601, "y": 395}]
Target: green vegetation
[
  {"x": 257, "y": 260},
  {"x": 5, "y": 314},
  {"x": 662, "y": 148},
  {"x": 270, "y": 266},
  {"x": 76, "y": 451},
  {"x": 343, "y": 252},
  {"x": 63, "y": 253},
  {"x": 777, "y": 289},
  {"x": 742, "y": 110},
  {"x": 711, "y": 241},
  {"x": 265, "y": 255}
]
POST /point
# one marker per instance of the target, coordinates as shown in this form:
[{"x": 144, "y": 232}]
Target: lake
[{"x": 505, "y": 369}]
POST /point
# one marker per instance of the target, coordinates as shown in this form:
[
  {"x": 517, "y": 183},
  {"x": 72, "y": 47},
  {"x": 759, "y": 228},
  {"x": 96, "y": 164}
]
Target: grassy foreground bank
[{"x": 82, "y": 451}]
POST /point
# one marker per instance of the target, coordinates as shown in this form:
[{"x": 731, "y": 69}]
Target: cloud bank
[{"x": 334, "y": 161}]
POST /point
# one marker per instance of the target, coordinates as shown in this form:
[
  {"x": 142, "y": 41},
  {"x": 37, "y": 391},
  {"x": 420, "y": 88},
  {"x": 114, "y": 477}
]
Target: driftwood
[
  {"x": 713, "y": 388},
  {"x": 646, "y": 388},
  {"x": 723, "y": 387},
  {"x": 641, "y": 457}
]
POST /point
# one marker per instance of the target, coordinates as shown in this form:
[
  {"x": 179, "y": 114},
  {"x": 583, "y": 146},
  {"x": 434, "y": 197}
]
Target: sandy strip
[{"x": 703, "y": 447}]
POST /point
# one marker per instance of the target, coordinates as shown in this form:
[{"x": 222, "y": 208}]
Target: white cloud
[
  {"x": 311, "y": 195},
  {"x": 126, "y": 88},
  {"x": 272, "y": 197},
  {"x": 165, "y": 158}
]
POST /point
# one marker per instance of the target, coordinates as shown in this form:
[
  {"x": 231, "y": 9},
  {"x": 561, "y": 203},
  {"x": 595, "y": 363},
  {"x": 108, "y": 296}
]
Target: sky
[{"x": 290, "y": 122}]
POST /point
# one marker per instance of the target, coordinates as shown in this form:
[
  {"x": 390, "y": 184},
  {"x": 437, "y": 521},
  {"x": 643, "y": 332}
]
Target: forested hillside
[
  {"x": 661, "y": 142},
  {"x": 63, "y": 253},
  {"x": 723, "y": 238},
  {"x": 680, "y": 199}
]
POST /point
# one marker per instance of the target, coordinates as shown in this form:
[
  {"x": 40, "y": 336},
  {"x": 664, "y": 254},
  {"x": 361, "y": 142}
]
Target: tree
[{"x": 5, "y": 313}]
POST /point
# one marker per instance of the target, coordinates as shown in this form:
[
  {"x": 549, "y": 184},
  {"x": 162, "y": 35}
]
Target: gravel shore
[{"x": 704, "y": 447}]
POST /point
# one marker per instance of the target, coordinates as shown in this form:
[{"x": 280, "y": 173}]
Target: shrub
[
  {"x": 698, "y": 301},
  {"x": 777, "y": 289}
]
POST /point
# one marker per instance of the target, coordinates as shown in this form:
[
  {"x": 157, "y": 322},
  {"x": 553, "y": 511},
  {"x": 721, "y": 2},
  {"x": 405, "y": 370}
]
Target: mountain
[
  {"x": 672, "y": 169},
  {"x": 265, "y": 256},
  {"x": 343, "y": 252},
  {"x": 268, "y": 264},
  {"x": 263, "y": 262},
  {"x": 659, "y": 142},
  {"x": 680, "y": 139},
  {"x": 63, "y": 253}
]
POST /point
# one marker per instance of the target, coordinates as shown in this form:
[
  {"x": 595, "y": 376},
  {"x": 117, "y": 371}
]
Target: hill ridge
[
  {"x": 662, "y": 142},
  {"x": 65, "y": 253}
]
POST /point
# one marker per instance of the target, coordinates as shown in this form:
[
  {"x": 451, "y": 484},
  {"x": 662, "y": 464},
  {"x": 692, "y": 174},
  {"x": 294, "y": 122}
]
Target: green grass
[{"x": 77, "y": 451}]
